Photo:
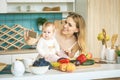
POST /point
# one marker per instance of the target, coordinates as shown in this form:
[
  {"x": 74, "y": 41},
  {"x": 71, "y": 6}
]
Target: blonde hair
[
  {"x": 48, "y": 24},
  {"x": 80, "y": 36}
]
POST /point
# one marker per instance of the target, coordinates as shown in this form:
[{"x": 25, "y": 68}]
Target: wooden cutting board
[
  {"x": 88, "y": 66},
  {"x": 2, "y": 66}
]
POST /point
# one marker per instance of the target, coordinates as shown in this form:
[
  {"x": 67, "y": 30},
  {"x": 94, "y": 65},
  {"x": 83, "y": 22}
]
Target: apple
[{"x": 89, "y": 55}]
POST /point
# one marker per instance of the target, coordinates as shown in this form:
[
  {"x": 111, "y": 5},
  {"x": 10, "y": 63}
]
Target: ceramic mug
[
  {"x": 110, "y": 55},
  {"x": 27, "y": 62},
  {"x": 118, "y": 60}
]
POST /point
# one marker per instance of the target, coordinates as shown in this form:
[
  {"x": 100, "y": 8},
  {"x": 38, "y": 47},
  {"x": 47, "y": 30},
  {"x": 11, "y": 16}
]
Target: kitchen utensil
[
  {"x": 104, "y": 40},
  {"x": 90, "y": 66},
  {"x": 27, "y": 63},
  {"x": 110, "y": 55},
  {"x": 113, "y": 40},
  {"x": 2, "y": 66}
]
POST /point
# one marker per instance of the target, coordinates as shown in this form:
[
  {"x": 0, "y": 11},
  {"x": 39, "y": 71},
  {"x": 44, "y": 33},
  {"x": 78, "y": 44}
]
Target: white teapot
[{"x": 18, "y": 68}]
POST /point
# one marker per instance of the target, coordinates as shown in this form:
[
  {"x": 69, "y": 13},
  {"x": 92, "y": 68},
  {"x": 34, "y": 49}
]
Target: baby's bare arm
[{"x": 29, "y": 40}]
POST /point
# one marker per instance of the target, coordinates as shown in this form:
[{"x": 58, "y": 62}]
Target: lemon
[
  {"x": 107, "y": 37},
  {"x": 55, "y": 64},
  {"x": 100, "y": 36}
]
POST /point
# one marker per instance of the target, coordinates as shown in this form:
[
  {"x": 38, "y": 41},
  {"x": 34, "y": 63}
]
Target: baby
[{"x": 47, "y": 45}]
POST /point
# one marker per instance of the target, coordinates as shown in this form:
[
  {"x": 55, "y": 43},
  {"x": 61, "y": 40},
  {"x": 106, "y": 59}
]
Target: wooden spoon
[
  {"x": 104, "y": 34},
  {"x": 113, "y": 40}
]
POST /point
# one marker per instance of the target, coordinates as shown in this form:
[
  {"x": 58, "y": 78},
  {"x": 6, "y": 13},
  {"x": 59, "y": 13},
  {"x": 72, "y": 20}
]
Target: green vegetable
[
  {"x": 118, "y": 53},
  {"x": 88, "y": 62}
]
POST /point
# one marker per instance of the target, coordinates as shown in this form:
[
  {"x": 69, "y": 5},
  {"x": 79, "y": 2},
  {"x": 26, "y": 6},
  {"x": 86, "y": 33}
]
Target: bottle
[
  {"x": 18, "y": 68},
  {"x": 102, "y": 53}
]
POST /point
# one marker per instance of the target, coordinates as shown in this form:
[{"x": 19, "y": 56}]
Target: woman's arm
[
  {"x": 57, "y": 47},
  {"x": 73, "y": 52}
]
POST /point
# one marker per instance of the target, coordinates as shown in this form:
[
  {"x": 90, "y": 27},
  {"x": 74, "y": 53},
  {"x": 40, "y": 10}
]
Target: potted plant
[
  {"x": 118, "y": 53},
  {"x": 40, "y": 22}
]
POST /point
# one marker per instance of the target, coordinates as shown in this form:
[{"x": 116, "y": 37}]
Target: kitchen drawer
[{"x": 5, "y": 59}]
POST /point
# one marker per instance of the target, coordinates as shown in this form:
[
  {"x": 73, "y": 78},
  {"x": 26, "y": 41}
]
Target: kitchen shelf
[
  {"x": 16, "y": 6},
  {"x": 41, "y": 12},
  {"x": 23, "y": 1}
]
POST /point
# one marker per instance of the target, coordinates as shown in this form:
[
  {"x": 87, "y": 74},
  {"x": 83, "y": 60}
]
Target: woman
[{"x": 70, "y": 36}]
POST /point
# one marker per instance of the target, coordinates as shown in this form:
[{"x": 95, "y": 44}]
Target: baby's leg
[
  {"x": 62, "y": 54},
  {"x": 52, "y": 58}
]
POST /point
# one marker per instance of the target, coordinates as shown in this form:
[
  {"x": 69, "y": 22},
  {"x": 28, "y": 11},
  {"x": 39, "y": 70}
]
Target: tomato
[
  {"x": 82, "y": 58},
  {"x": 63, "y": 60}
]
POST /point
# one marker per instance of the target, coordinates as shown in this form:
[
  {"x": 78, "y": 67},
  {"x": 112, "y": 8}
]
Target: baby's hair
[{"x": 48, "y": 24}]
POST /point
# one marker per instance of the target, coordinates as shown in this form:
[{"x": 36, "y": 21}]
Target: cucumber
[{"x": 88, "y": 62}]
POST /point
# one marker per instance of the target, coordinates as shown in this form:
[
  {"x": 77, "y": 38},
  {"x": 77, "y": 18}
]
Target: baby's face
[{"x": 48, "y": 33}]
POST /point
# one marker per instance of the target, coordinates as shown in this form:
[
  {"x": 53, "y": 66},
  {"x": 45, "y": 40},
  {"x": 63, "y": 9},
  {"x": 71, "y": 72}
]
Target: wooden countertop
[{"x": 22, "y": 51}]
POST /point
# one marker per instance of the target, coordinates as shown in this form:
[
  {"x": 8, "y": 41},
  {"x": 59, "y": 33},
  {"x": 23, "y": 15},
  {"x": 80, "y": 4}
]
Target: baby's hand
[{"x": 58, "y": 54}]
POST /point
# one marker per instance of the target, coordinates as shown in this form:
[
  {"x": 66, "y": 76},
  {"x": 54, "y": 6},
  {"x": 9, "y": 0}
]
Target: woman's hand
[
  {"x": 69, "y": 53},
  {"x": 29, "y": 40}
]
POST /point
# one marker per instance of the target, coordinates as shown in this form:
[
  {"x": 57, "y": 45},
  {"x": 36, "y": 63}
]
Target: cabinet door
[
  {"x": 22, "y": 56},
  {"x": 58, "y": 0},
  {"x": 17, "y": 1},
  {"x": 3, "y": 6},
  {"x": 5, "y": 59}
]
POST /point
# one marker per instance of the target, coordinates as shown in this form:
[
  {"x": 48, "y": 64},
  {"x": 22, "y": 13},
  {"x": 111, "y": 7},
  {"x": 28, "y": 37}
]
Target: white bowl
[{"x": 39, "y": 69}]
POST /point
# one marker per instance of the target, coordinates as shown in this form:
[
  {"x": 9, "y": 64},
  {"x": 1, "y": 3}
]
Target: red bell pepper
[{"x": 82, "y": 58}]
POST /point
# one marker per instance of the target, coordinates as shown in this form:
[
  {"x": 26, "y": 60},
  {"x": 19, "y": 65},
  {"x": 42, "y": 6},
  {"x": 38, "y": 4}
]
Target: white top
[
  {"x": 104, "y": 71},
  {"x": 48, "y": 48},
  {"x": 45, "y": 47}
]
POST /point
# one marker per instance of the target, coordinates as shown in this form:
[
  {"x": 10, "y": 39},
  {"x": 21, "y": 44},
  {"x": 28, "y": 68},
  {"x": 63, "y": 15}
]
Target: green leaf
[
  {"x": 118, "y": 52},
  {"x": 41, "y": 21}
]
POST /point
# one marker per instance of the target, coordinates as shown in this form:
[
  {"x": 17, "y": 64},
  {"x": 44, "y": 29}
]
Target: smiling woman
[{"x": 71, "y": 36}]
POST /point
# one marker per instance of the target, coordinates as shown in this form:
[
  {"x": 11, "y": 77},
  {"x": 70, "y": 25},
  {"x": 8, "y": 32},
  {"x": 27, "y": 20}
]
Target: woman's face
[{"x": 69, "y": 28}]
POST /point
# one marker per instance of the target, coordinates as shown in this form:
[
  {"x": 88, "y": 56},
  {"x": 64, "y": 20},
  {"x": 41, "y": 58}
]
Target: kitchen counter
[
  {"x": 21, "y": 51},
  {"x": 103, "y": 71}
]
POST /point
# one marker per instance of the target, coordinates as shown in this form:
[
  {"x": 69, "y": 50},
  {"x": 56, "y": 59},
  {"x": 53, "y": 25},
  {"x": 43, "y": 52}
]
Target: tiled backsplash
[{"x": 28, "y": 20}]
